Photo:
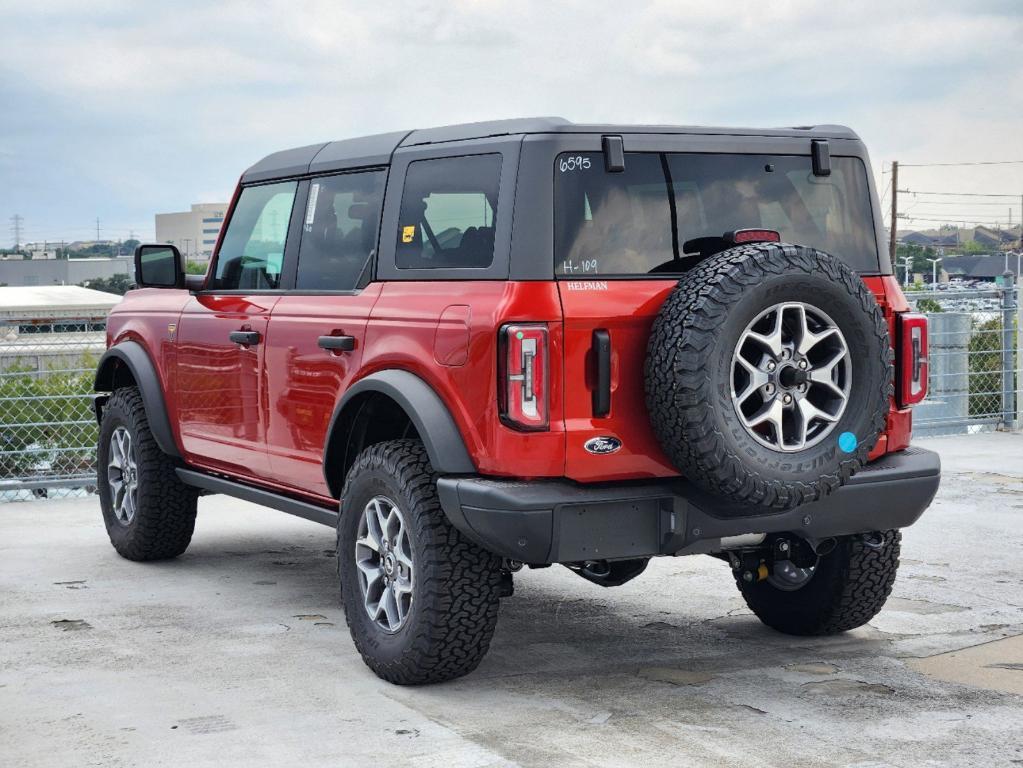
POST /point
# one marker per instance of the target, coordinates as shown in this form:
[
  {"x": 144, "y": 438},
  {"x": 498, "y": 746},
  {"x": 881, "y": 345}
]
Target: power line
[
  {"x": 986, "y": 215},
  {"x": 962, "y": 203},
  {"x": 988, "y": 222},
  {"x": 958, "y": 194},
  {"x": 947, "y": 165}
]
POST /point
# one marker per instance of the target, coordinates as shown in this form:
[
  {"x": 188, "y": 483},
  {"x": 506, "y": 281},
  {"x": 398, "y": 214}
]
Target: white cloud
[{"x": 150, "y": 103}]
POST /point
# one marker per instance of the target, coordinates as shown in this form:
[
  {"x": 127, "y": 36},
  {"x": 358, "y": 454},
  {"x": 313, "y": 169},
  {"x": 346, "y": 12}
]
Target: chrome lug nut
[
  {"x": 802, "y": 364},
  {"x": 787, "y": 399}
]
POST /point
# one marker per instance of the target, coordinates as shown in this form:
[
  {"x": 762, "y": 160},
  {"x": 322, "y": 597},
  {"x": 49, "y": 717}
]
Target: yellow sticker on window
[{"x": 408, "y": 233}]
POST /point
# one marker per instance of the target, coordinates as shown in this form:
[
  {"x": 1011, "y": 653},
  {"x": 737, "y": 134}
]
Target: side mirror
[{"x": 159, "y": 266}]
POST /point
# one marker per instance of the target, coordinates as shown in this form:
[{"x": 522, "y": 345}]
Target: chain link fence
[
  {"x": 47, "y": 364},
  {"x": 974, "y": 359},
  {"x": 47, "y": 429}
]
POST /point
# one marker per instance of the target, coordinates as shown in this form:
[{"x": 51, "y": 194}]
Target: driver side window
[{"x": 252, "y": 254}]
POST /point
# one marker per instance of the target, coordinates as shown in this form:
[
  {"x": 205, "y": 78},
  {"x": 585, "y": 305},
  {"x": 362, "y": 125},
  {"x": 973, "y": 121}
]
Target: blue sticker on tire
[{"x": 847, "y": 442}]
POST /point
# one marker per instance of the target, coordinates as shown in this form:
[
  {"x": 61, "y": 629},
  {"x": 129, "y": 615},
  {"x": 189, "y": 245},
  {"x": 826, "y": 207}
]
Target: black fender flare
[
  {"x": 134, "y": 357},
  {"x": 425, "y": 409}
]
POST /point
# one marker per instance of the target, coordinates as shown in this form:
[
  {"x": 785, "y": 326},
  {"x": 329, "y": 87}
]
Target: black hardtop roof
[{"x": 376, "y": 150}]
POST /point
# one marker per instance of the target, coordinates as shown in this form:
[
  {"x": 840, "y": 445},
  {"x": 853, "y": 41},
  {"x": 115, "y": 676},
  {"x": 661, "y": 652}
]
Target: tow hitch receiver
[{"x": 781, "y": 558}]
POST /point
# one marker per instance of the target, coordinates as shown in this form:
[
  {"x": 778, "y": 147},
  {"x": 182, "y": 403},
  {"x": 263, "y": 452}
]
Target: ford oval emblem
[{"x": 603, "y": 444}]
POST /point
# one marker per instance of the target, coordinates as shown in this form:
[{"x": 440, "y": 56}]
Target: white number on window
[{"x": 575, "y": 163}]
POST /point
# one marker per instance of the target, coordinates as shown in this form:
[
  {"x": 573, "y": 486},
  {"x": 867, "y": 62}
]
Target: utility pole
[
  {"x": 16, "y": 222},
  {"x": 97, "y": 229},
  {"x": 895, "y": 209}
]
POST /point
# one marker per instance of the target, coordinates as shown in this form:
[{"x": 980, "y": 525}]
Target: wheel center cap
[
  {"x": 388, "y": 563},
  {"x": 790, "y": 376}
]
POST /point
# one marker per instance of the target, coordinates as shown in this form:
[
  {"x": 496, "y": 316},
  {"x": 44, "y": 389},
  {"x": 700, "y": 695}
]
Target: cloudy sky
[{"x": 119, "y": 109}]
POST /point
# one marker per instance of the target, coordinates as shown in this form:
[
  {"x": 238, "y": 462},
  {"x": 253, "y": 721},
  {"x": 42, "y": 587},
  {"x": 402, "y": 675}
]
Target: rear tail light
[
  {"x": 523, "y": 376},
  {"x": 911, "y": 365}
]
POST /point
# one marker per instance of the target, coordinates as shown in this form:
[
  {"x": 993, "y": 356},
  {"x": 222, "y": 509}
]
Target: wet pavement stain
[
  {"x": 813, "y": 668},
  {"x": 71, "y": 625},
  {"x": 921, "y": 607},
  {"x": 206, "y": 724},
  {"x": 844, "y": 687},
  {"x": 675, "y": 676}
]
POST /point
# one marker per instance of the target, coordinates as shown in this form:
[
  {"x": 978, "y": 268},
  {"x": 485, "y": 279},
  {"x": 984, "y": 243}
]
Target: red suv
[{"x": 488, "y": 346}]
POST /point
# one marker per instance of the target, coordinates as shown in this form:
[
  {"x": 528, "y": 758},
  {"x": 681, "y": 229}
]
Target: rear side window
[
  {"x": 252, "y": 254},
  {"x": 667, "y": 210},
  {"x": 448, "y": 210},
  {"x": 339, "y": 232}
]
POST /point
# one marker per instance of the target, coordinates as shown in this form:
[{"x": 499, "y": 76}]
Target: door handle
[
  {"x": 245, "y": 338},
  {"x": 601, "y": 346},
  {"x": 336, "y": 343}
]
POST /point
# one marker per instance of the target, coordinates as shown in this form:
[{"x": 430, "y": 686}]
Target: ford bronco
[{"x": 484, "y": 347}]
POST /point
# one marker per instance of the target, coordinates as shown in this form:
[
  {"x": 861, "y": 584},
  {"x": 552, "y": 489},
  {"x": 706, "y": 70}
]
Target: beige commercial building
[{"x": 194, "y": 232}]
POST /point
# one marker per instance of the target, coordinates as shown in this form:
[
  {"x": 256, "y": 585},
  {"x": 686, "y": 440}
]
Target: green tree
[
  {"x": 119, "y": 284},
  {"x": 919, "y": 255},
  {"x": 195, "y": 268}
]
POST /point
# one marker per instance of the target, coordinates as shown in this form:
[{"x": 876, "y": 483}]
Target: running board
[{"x": 304, "y": 509}]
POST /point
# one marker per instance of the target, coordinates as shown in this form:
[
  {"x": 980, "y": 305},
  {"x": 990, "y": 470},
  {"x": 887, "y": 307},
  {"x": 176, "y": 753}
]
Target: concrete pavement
[{"x": 237, "y": 654}]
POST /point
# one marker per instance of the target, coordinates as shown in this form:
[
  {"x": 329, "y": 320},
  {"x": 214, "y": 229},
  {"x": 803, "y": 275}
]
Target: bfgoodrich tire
[
  {"x": 421, "y": 601},
  {"x": 849, "y": 586},
  {"x": 149, "y": 513},
  {"x": 769, "y": 374}
]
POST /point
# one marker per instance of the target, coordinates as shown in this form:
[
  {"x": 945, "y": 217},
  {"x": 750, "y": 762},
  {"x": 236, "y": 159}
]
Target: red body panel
[
  {"x": 220, "y": 405},
  {"x": 626, "y": 309},
  {"x": 303, "y": 381},
  {"x": 405, "y": 332}
]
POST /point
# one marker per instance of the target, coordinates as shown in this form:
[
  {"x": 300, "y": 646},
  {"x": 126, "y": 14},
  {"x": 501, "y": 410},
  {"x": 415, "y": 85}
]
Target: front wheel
[
  {"x": 149, "y": 513},
  {"x": 844, "y": 590},
  {"x": 420, "y": 600}
]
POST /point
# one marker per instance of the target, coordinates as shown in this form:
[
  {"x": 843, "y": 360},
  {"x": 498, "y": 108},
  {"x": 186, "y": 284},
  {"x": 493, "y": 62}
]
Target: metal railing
[
  {"x": 974, "y": 359},
  {"x": 47, "y": 429}
]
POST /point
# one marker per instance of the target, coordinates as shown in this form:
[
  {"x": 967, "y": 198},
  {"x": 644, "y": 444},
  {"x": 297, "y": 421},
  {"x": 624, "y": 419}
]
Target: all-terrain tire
[
  {"x": 456, "y": 584},
  {"x": 848, "y": 588},
  {"x": 164, "y": 517},
  {"x": 689, "y": 374}
]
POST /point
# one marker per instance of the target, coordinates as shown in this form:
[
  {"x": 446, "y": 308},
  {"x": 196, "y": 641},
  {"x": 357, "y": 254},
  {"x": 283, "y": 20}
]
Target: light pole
[
  {"x": 934, "y": 271},
  {"x": 906, "y": 261}
]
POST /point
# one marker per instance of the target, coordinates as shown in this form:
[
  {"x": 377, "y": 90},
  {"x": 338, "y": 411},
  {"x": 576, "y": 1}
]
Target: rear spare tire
[{"x": 769, "y": 374}]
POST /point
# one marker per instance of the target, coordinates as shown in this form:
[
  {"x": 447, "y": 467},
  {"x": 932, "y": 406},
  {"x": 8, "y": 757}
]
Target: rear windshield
[{"x": 665, "y": 211}]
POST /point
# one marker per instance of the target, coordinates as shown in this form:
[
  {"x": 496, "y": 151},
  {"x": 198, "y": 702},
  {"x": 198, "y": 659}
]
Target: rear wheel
[
  {"x": 844, "y": 590},
  {"x": 149, "y": 513},
  {"x": 420, "y": 600}
]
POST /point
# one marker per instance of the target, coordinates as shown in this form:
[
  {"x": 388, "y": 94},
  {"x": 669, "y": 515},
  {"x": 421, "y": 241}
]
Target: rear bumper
[{"x": 561, "y": 521}]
